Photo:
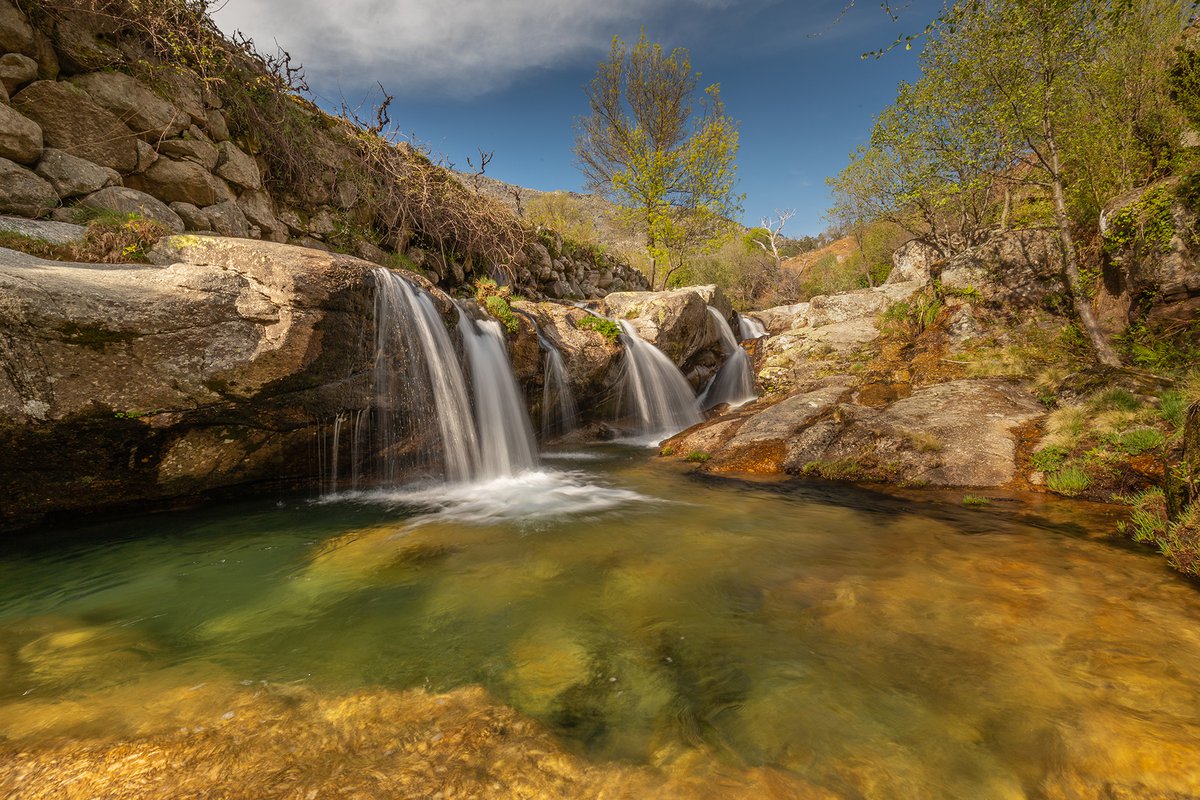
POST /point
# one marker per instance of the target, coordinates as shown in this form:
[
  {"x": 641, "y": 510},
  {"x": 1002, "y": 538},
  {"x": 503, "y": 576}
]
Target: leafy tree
[
  {"x": 1063, "y": 97},
  {"x": 1031, "y": 67},
  {"x": 930, "y": 168},
  {"x": 662, "y": 150},
  {"x": 748, "y": 276}
]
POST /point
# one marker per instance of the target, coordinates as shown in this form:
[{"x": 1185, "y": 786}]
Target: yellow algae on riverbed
[{"x": 287, "y": 742}]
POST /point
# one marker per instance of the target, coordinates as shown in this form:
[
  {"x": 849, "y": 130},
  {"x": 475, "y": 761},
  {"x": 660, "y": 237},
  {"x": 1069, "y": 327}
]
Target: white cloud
[{"x": 460, "y": 47}]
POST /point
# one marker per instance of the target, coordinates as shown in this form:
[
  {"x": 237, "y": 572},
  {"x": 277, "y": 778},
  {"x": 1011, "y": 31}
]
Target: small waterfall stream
[
  {"x": 750, "y": 328},
  {"x": 427, "y": 384},
  {"x": 734, "y": 382},
  {"x": 422, "y": 419},
  {"x": 506, "y": 444},
  {"x": 560, "y": 415},
  {"x": 662, "y": 398}
]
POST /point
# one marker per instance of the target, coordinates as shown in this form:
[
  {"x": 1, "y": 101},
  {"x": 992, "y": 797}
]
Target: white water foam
[{"x": 527, "y": 497}]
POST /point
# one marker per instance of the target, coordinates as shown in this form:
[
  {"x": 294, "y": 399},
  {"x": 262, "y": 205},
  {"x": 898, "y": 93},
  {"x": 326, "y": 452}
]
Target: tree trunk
[
  {"x": 1007, "y": 207},
  {"x": 866, "y": 264},
  {"x": 1083, "y": 305}
]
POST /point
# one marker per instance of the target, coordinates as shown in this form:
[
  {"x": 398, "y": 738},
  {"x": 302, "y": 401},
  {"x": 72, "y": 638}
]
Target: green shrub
[
  {"x": 924, "y": 442},
  {"x": 1116, "y": 399},
  {"x": 1148, "y": 521},
  {"x": 605, "y": 327},
  {"x": 1139, "y": 440},
  {"x": 667, "y": 451},
  {"x": 1172, "y": 407},
  {"x": 697, "y": 457},
  {"x": 1158, "y": 348},
  {"x": 111, "y": 237},
  {"x": 1069, "y": 481},
  {"x": 975, "y": 501},
  {"x": 1145, "y": 225},
  {"x": 842, "y": 469},
  {"x": 1178, "y": 539},
  {"x": 1050, "y": 459},
  {"x": 498, "y": 307},
  {"x": 911, "y": 317}
]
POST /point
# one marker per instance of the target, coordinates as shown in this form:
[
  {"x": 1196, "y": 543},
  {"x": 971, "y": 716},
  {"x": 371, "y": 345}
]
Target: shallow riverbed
[{"x": 606, "y": 627}]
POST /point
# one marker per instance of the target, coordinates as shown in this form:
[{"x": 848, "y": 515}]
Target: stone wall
[{"x": 78, "y": 132}]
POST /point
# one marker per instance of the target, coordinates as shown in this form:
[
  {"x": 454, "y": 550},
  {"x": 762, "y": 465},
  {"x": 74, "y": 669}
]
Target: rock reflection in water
[{"x": 738, "y": 642}]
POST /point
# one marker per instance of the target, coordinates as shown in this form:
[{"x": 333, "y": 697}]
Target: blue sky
[{"x": 507, "y": 76}]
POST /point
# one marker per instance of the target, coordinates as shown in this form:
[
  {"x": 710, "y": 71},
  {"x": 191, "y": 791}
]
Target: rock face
[
  {"x": 20, "y": 137},
  {"x": 22, "y": 192},
  {"x": 131, "y": 201},
  {"x": 141, "y": 110},
  {"x": 819, "y": 334},
  {"x": 71, "y": 176},
  {"x": 135, "y": 383},
  {"x": 778, "y": 319},
  {"x": 17, "y": 70},
  {"x": 913, "y": 261},
  {"x": 46, "y": 230},
  {"x": 1163, "y": 275},
  {"x": 1013, "y": 268},
  {"x": 678, "y": 323},
  {"x": 177, "y": 181},
  {"x": 71, "y": 121}
]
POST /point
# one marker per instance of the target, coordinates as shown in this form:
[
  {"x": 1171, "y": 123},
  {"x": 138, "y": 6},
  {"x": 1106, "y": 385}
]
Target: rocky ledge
[{"x": 210, "y": 368}]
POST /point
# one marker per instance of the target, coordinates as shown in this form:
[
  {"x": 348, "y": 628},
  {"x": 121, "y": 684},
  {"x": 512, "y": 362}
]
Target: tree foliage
[
  {"x": 1063, "y": 98},
  {"x": 662, "y": 149}
]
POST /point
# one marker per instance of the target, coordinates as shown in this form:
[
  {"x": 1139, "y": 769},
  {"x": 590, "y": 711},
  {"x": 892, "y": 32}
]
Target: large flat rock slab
[
  {"x": 961, "y": 433},
  {"x": 957, "y": 434}
]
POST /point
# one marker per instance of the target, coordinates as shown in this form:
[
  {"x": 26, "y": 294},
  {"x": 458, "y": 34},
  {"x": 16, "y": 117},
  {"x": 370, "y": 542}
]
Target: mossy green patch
[{"x": 605, "y": 327}]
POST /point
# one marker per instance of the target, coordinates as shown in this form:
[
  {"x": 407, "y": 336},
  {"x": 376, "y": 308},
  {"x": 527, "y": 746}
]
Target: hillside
[{"x": 842, "y": 250}]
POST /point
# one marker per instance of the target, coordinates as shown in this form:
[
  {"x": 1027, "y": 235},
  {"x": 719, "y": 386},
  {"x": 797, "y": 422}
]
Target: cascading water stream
[
  {"x": 410, "y": 330},
  {"x": 662, "y": 398},
  {"x": 506, "y": 444},
  {"x": 734, "y": 382},
  {"x": 750, "y": 328},
  {"x": 560, "y": 415}
]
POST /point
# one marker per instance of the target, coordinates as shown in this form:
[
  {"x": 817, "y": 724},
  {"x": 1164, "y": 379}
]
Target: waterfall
[
  {"x": 337, "y": 437},
  {"x": 662, "y": 397},
  {"x": 426, "y": 391},
  {"x": 750, "y": 328},
  {"x": 734, "y": 382},
  {"x": 505, "y": 438},
  {"x": 560, "y": 415}
]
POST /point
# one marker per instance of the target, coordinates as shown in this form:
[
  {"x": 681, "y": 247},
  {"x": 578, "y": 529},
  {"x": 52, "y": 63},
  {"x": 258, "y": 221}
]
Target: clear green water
[{"x": 874, "y": 647}]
